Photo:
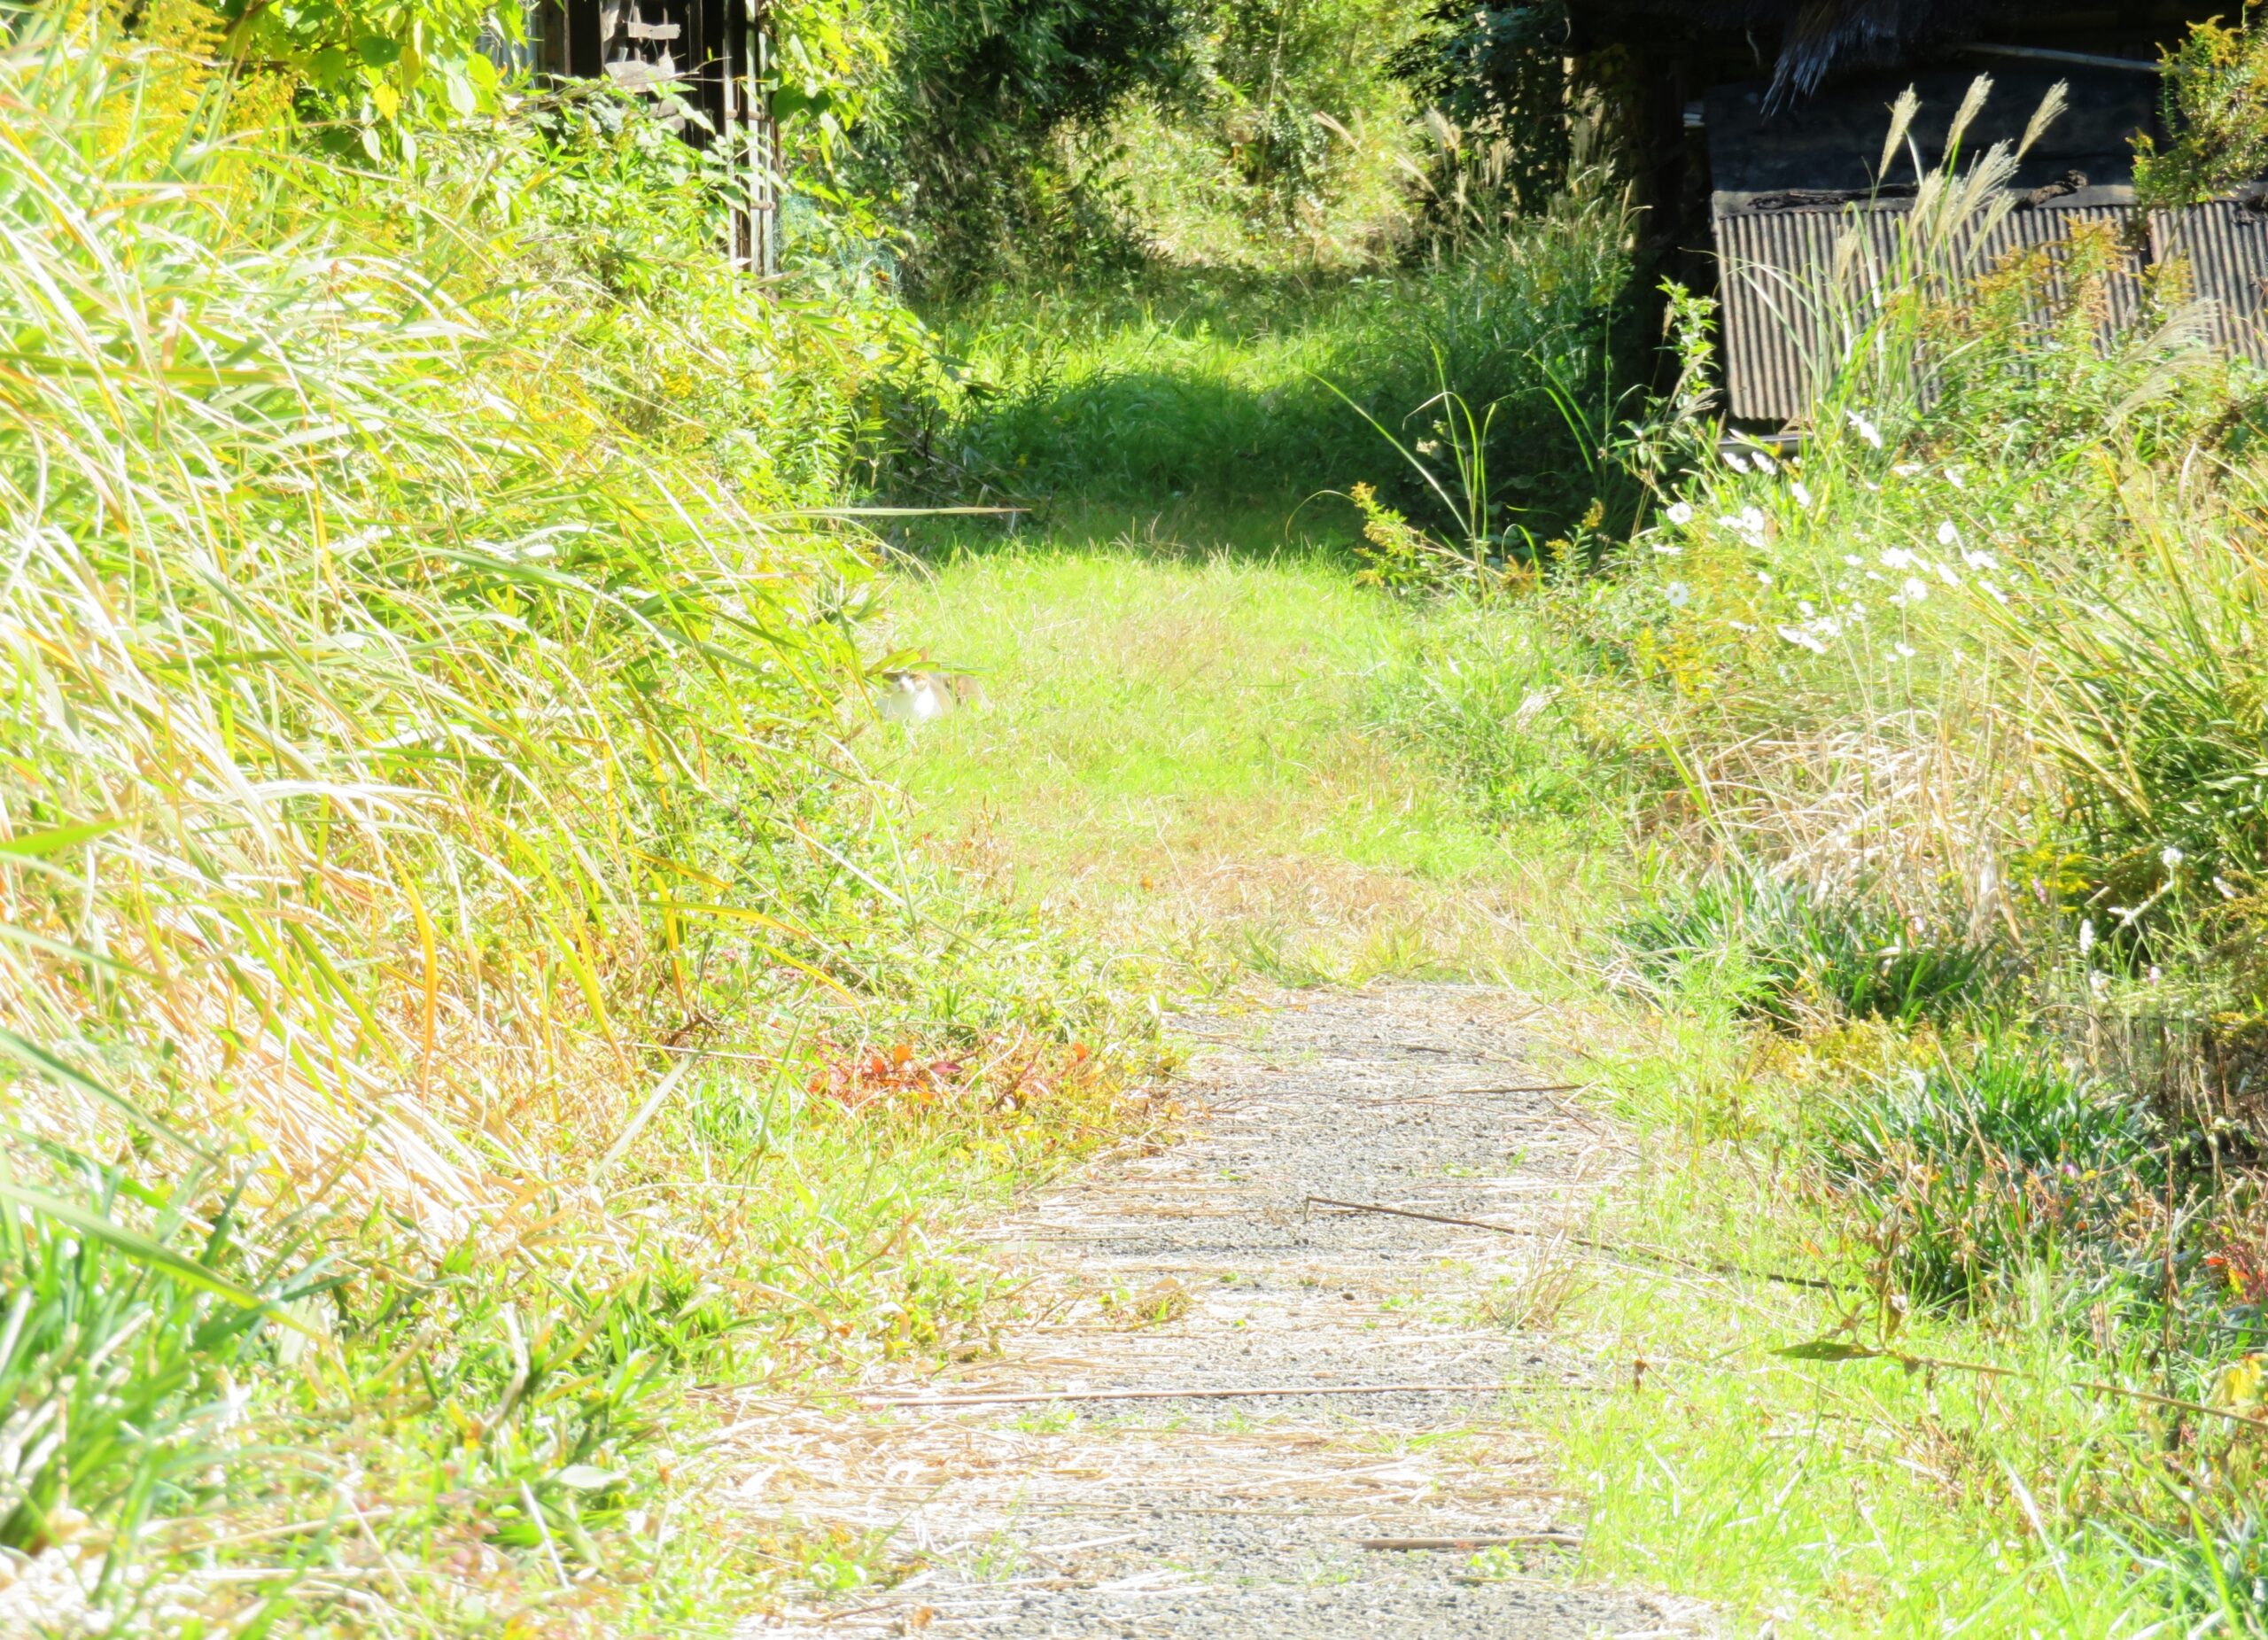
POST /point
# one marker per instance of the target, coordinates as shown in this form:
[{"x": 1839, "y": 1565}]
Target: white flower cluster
[{"x": 1748, "y": 524}]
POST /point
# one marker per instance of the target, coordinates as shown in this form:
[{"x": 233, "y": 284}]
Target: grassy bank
[
  {"x": 1930, "y": 991},
  {"x": 461, "y": 996}
]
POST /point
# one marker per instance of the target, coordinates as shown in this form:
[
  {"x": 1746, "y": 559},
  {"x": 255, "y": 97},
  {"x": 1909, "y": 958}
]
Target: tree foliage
[
  {"x": 963, "y": 134},
  {"x": 2216, "y": 110}
]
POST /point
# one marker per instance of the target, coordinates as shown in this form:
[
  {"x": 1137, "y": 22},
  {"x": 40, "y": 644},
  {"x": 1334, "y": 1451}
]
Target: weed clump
[
  {"x": 1793, "y": 957},
  {"x": 1984, "y": 1163}
]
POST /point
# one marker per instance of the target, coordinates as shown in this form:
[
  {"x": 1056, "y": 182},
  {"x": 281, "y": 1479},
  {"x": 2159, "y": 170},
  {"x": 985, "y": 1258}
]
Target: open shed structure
[
  {"x": 713, "y": 57},
  {"x": 1760, "y": 123}
]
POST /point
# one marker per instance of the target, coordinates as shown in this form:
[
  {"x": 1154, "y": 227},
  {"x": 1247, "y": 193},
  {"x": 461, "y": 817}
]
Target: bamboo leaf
[{"x": 1828, "y": 1349}]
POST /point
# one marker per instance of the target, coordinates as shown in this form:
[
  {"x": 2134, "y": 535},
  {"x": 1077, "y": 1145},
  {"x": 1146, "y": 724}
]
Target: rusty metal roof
[{"x": 1800, "y": 283}]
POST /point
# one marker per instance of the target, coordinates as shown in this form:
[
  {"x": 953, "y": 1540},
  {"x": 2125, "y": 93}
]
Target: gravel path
[{"x": 1202, "y": 1267}]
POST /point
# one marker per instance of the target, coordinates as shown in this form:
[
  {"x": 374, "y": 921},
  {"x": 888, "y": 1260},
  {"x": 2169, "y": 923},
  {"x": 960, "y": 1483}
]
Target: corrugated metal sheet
[
  {"x": 2224, "y": 244},
  {"x": 1799, "y": 285}
]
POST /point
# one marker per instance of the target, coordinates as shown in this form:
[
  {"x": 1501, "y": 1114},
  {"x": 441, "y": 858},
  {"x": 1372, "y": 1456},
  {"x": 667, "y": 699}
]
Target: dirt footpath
[{"x": 1206, "y": 1268}]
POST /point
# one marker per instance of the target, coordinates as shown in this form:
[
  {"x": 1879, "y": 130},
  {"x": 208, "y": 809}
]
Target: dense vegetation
[
  {"x": 464, "y": 985},
  {"x": 437, "y": 875}
]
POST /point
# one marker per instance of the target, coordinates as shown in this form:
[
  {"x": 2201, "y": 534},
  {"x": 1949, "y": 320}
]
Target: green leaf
[
  {"x": 378, "y": 50},
  {"x": 587, "y": 1478},
  {"x": 1828, "y": 1349},
  {"x": 48, "y": 1065},
  {"x": 62, "y": 838},
  {"x": 789, "y": 101},
  {"x": 132, "y": 1243}
]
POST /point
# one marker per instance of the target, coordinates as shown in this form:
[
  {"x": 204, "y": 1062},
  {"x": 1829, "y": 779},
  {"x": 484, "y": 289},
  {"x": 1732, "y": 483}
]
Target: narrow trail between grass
[{"x": 1200, "y": 1264}]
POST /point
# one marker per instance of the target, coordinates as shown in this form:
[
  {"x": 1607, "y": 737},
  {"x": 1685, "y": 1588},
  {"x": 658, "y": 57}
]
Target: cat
[{"x": 918, "y": 696}]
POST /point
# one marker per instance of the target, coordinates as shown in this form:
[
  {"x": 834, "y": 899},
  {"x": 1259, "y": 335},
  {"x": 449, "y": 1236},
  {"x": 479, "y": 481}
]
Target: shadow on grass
[{"x": 1177, "y": 397}]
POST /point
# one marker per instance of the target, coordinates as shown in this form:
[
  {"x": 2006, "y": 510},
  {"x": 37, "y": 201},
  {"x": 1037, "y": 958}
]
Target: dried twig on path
[
  {"x": 1501, "y": 1540},
  {"x": 1536, "y": 1087},
  {"x": 1616, "y": 1249},
  {"x": 1034, "y": 1397}
]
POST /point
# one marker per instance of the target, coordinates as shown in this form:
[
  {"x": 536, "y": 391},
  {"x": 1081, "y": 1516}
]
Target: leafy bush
[
  {"x": 2216, "y": 113},
  {"x": 1793, "y": 957},
  {"x": 1498, "y": 78},
  {"x": 1285, "y": 143},
  {"x": 1970, "y": 1168},
  {"x": 965, "y": 135}
]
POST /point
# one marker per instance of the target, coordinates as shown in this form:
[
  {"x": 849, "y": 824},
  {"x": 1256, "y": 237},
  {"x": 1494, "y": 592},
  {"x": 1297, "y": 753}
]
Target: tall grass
[{"x": 425, "y": 749}]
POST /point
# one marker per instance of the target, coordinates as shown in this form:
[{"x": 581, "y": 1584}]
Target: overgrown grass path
[{"x": 1201, "y": 1265}]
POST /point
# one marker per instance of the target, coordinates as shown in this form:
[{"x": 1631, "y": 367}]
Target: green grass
[
  {"x": 1169, "y": 386},
  {"x": 1180, "y": 738}
]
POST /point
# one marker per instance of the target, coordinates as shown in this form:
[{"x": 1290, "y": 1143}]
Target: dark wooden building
[
  {"x": 712, "y": 55},
  {"x": 1757, "y": 127}
]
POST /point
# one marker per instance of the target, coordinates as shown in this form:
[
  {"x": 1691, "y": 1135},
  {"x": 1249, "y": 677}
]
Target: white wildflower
[
  {"x": 1977, "y": 560},
  {"x": 1993, "y": 593},
  {"x": 1764, "y": 461},
  {"x": 1948, "y": 534},
  {"x": 1908, "y": 469},
  {"x": 1798, "y": 636},
  {"x": 1854, "y": 560},
  {"x": 1898, "y": 558},
  {"x": 1740, "y": 626},
  {"x": 1678, "y": 594},
  {"x": 1666, "y": 551},
  {"x": 1763, "y": 579},
  {"x": 1733, "y": 460},
  {"x": 1680, "y": 513},
  {"x": 1954, "y": 477},
  {"x": 2086, "y": 935},
  {"x": 1752, "y": 519},
  {"x": 1864, "y": 428},
  {"x": 1914, "y": 588},
  {"x": 1796, "y": 488},
  {"x": 1906, "y": 651},
  {"x": 2170, "y": 856},
  {"x": 2155, "y": 975},
  {"x": 1946, "y": 575}
]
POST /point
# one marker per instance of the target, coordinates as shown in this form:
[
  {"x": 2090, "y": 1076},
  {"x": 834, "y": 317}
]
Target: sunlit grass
[{"x": 1186, "y": 744}]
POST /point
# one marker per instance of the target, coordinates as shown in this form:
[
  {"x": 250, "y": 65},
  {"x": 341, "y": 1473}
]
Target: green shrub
[
  {"x": 1984, "y": 1162},
  {"x": 1791, "y": 956},
  {"x": 965, "y": 135}
]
